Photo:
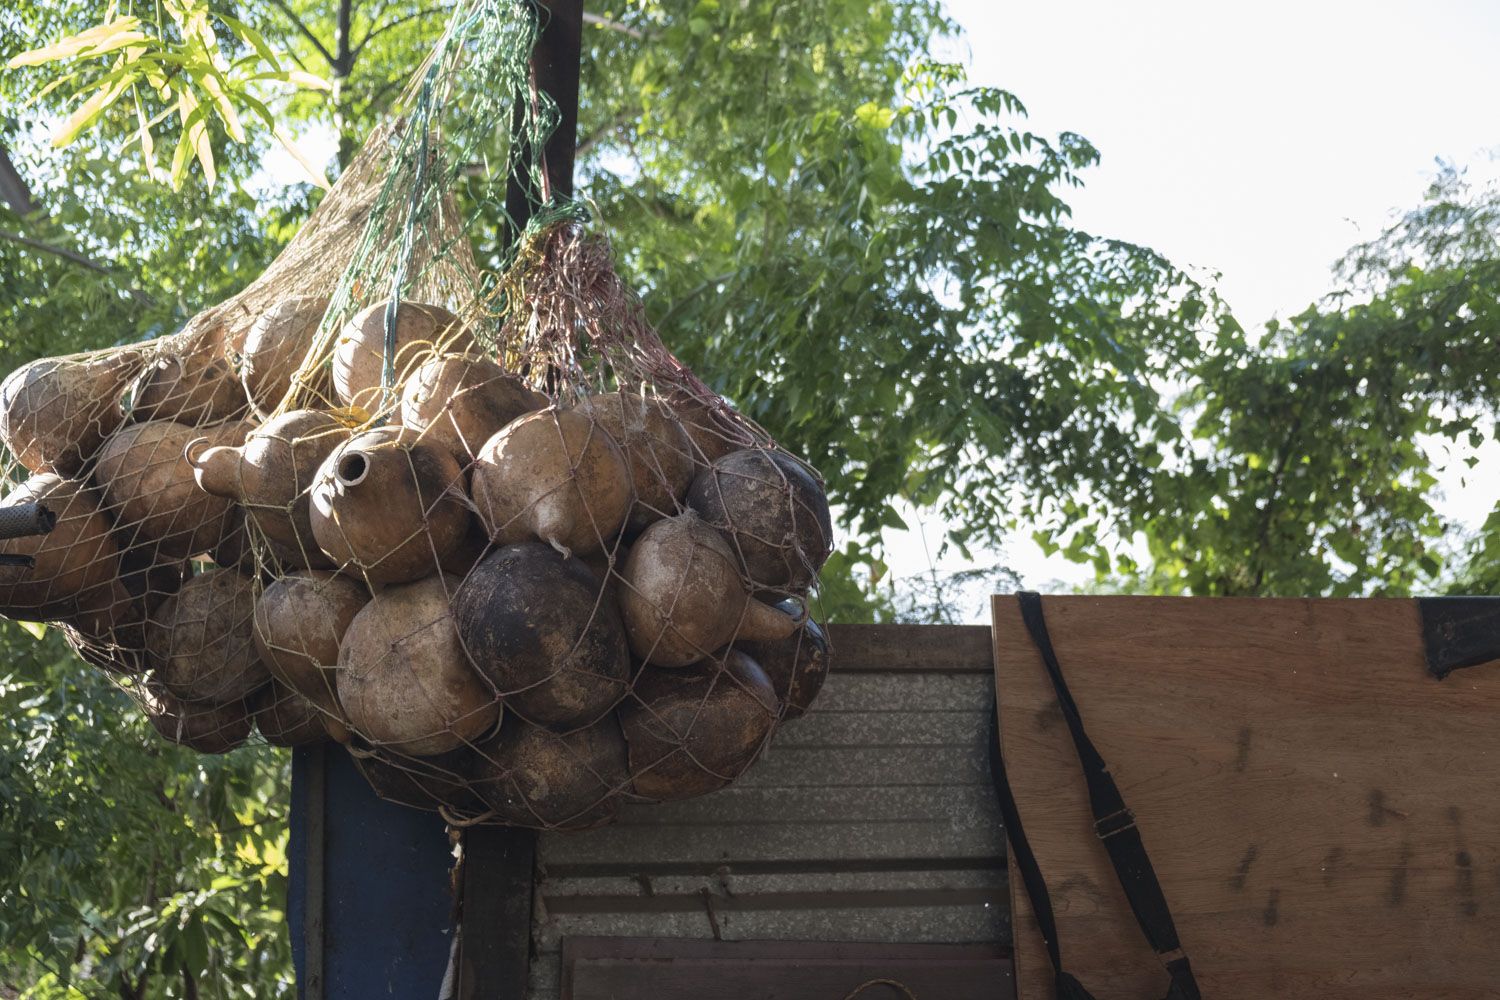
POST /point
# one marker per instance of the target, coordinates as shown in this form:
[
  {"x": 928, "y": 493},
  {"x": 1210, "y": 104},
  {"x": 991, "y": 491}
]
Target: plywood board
[{"x": 1319, "y": 808}]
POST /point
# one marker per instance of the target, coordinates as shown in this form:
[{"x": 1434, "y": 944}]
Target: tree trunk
[
  {"x": 14, "y": 190},
  {"x": 343, "y": 65}
]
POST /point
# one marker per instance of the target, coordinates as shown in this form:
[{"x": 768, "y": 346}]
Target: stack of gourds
[{"x": 515, "y": 602}]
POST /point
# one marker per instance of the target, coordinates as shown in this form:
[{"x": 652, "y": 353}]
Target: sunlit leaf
[
  {"x": 90, "y": 42},
  {"x": 313, "y": 173},
  {"x": 88, "y": 112}
]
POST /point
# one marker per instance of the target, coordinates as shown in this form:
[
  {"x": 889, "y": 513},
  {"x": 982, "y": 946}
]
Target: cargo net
[{"x": 484, "y": 530}]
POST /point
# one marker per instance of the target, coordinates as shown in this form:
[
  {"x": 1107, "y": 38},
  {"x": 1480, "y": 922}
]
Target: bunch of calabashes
[{"x": 515, "y": 606}]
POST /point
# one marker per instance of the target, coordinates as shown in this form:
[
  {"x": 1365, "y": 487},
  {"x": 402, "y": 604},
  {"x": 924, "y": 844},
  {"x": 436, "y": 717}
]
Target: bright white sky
[{"x": 1256, "y": 140}]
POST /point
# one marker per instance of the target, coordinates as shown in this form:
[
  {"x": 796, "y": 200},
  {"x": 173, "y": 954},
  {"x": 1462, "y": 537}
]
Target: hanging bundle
[{"x": 487, "y": 532}]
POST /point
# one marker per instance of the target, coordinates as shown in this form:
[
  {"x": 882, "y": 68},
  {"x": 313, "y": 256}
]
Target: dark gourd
[
  {"x": 439, "y": 780},
  {"x": 773, "y": 513},
  {"x": 534, "y": 777},
  {"x": 696, "y": 730},
  {"x": 534, "y": 625},
  {"x": 200, "y": 727},
  {"x": 797, "y": 666},
  {"x": 285, "y": 718}
]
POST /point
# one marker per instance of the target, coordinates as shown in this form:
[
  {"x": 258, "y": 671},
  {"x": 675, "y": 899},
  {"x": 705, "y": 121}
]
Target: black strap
[{"x": 1113, "y": 823}]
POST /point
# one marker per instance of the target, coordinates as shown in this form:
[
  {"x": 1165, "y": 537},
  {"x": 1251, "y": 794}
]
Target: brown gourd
[
  {"x": 403, "y": 678},
  {"x": 553, "y": 475},
  {"x": 202, "y": 727},
  {"x": 196, "y": 389},
  {"x": 275, "y": 347},
  {"x": 359, "y": 352},
  {"x": 655, "y": 446},
  {"x": 681, "y": 595},
  {"x": 271, "y": 474},
  {"x": 534, "y": 626},
  {"x": 300, "y": 619},
  {"x": 460, "y": 401},
  {"x": 773, "y": 513},
  {"x": 285, "y": 718},
  {"x": 149, "y": 488},
  {"x": 711, "y": 427},
  {"x": 534, "y": 777},
  {"x": 696, "y": 730},
  {"x": 201, "y": 640},
  {"x": 77, "y": 556},
  {"x": 388, "y": 506},
  {"x": 797, "y": 665},
  {"x": 56, "y": 412}
]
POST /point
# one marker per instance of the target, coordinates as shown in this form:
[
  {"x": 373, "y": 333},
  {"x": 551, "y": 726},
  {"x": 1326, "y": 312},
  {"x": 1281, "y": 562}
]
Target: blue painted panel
[{"x": 386, "y": 888}]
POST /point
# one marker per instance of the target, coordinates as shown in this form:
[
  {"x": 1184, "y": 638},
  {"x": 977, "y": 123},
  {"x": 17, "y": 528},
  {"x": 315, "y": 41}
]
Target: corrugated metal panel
[{"x": 872, "y": 819}]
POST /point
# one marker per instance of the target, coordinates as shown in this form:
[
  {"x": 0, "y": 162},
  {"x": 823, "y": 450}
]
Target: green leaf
[
  {"x": 37, "y": 630},
  {"x": 252, "y": 38}
]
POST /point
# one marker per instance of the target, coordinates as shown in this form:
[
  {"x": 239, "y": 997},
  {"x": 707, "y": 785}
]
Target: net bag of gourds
[{"x": 482, "y": 528}]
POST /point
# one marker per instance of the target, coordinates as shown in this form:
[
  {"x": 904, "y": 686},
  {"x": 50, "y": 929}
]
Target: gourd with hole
[
  {"x": 682, "y": 598},
  {"x": 388, "y": 506}
]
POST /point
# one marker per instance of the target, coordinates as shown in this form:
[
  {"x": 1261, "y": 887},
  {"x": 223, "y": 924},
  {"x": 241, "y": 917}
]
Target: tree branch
[
  {"x": 306, "y": 32},
  {"x": 74, "y": 257},
  {"x": 14, "y": 190},
  {"x": 604, "y": 22},
  {"x": 377, "y": 32},
  {"x": 598, "y": 135}
]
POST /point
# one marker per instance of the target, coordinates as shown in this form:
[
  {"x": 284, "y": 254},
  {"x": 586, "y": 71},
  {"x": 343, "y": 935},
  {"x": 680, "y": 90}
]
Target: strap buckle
[{"x": 1114, "y": 824}]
